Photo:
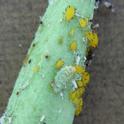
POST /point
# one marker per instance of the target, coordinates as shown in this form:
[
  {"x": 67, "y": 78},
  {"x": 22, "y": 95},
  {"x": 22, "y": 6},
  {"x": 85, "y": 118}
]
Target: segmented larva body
[{"x": 64, "y": 76}]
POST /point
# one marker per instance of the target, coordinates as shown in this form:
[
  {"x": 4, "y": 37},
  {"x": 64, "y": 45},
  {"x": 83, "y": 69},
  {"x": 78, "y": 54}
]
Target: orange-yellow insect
[{"x": 69, "y": 13}]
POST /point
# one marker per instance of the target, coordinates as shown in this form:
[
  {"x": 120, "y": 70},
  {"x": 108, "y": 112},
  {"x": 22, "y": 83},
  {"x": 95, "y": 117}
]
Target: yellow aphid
[
  {"x": 85, "y": 78},
  {"x": 79, "y": 69},
  {"x": 80, "y": 83},
  {"x": 72, "y": 96},
  {"x": 71, "y": 32},
  {"x": 73, "y": 46},
  {"x": 76, "y": 94},
  {"x": 89, "y": 36},
  {"x": 93, "y": 39},
  {"x": 83, "y": 22},
  {"x": 59, "y": 64},
  {"x": 78, "y": 110},
  {"x": 80, "y": 92},
  {"x": 70, "y": 12},
  {"x": 36, "y": 69},
  {"x": 78, "y": 102},
  {"x": 94, "y": 43}
]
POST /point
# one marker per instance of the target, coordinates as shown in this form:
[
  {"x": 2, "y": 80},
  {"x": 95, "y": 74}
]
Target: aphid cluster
[
  {"x": 75, "y": 74},
  {"x": 76, "y": 95},
  {"x": 92, "y": 41}
]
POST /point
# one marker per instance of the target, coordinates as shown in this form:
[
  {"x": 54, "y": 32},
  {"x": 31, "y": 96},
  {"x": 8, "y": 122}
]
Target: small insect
[
  {"x": 69, "y": 13},
  {"x": 76, "y": 94},
  {"x": 85, "y": 78},
  {"x": 73, "y": 46},
  {"x": 59, "y": 64},
  {"x": 83, "y": 22},
  {"x": 76, "y": 98},
  {"x": 78, "y": 109},
  {"x": 93, "y": 39},
  {"x": 78, "y": 102},
  {"x": 79, "y": 69},
  {"x": 80, "y": 83}
]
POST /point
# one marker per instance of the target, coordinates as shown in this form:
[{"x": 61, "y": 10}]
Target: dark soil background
[{"x": 104, "y": 99}]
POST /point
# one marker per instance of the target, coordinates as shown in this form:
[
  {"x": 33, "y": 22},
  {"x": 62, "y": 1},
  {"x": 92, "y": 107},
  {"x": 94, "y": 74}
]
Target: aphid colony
[
  {"x": 76, "y": 94},
  {"x": 65, "y": 74}
]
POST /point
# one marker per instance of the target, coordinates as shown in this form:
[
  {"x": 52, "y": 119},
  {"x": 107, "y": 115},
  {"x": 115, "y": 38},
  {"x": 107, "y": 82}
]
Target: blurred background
[{"x": 104, "y": 99}]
